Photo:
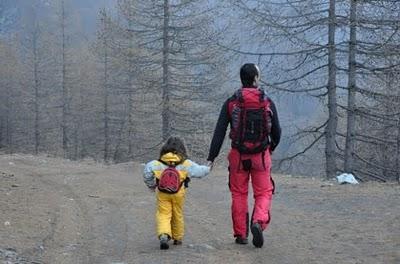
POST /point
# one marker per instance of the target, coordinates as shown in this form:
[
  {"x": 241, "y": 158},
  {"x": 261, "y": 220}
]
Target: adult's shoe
[{"x": 258, "y": 238}]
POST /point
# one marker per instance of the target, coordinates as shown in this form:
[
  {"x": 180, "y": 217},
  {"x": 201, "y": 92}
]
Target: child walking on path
[{"x": 169, "y": 177}]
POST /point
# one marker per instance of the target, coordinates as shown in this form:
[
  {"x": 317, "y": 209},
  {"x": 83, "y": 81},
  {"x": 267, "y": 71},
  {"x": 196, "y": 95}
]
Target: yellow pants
[{"x": 169, "y": 216}]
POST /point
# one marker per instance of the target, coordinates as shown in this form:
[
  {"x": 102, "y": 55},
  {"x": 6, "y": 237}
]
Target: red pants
[{"x": 241, "y": 168}]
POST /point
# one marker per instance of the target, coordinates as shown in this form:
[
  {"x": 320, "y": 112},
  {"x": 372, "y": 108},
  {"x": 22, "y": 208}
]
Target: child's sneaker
[
  {"x": 241, "y": 240},
  {"x": 258, "y": 238},
  {"x": 164, "y": 242},
  {"x": 178, "y": 242}
]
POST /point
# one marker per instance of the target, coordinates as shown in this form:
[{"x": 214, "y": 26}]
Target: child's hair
[{"x": 174, "y": 145}]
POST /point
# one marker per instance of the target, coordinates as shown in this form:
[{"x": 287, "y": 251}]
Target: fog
[{"x": 110, "y": 80}]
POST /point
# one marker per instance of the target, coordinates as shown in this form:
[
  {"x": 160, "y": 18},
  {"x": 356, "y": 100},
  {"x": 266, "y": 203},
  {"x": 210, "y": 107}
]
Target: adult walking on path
[{"x": 254, "y": 132}]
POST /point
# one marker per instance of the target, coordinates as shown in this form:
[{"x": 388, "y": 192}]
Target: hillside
[{"x": 58, "y": 211}]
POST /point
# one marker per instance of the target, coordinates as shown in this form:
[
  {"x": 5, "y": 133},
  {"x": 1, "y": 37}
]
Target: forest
[{"x": 112, "y": 80}]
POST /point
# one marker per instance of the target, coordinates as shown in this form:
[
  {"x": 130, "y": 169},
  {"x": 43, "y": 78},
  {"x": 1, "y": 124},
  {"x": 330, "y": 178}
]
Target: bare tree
[
  {"x": 349, "y": 151},
  {"x": 331, "y": 128},
  {"x": 368, "y": 35},
  {"x": 104, "y": 36},
  {"x": 64, "y": 85},
  {"x": 9, "y": 88},
  {"x": 180, "y": 59},
  {"x": 299, "y": 62},
  {"x": 372, "y": 111}
]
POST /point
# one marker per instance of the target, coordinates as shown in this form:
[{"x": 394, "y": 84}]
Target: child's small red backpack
[{"x": 169, "y": 181}]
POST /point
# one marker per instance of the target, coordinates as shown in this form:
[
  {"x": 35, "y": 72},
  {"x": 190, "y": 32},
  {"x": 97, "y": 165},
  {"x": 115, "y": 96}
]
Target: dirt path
[{"x": 55, "y": 211}]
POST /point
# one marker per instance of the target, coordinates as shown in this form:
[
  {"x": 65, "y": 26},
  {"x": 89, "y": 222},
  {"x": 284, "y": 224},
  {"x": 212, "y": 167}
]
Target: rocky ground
[{"x": 57, "y": 211}]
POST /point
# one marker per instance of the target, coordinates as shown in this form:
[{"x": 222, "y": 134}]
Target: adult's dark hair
[
  {"x": 176, "y": 146},
  {"x": 248, "y": 73}
]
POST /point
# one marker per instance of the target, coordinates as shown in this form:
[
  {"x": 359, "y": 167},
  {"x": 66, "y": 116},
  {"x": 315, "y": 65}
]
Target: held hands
[{"x": 152, "y": 188}]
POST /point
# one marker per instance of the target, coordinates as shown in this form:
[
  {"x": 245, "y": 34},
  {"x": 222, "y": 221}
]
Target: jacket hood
[{"x": 171, "y": 158}]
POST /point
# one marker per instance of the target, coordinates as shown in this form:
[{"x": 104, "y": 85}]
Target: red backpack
[
  {"x": 169, "y": 181},
  {"x": 251, "y": 116}
]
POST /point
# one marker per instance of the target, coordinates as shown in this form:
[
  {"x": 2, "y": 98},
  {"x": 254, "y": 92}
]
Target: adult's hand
[{"x": 210, "y": 164}]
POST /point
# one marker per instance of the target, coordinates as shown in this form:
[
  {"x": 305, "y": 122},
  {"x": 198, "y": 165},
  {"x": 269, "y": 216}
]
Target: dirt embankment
[{"x": 57, "y": 211}]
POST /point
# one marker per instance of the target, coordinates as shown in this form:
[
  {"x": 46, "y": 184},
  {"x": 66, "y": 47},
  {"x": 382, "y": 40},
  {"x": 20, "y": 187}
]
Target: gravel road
[{"x": 57, "y": 211}]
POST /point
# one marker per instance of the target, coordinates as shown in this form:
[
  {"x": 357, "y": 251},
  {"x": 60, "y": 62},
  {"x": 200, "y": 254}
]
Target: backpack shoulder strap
[
  {"x": 238, "y": 95},
  {"x": 264, "y": 97},
  {"x": 186, "y": 164}
]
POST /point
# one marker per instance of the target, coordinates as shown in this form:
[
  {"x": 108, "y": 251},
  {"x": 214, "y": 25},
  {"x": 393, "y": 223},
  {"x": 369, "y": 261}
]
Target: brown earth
[{"x": 58, "y": 211}]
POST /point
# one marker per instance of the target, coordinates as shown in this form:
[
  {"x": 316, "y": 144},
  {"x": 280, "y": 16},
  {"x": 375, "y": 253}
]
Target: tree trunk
[
  {"x": 9, "y": 129},
  {"x": 116, "y": 156},
  {"x": 130, "y": 122},
  {"x": 1, "y": 132},
  {"x": 79, "y": 140},
  {"x": 398, "y": 151},
  {"x": 130, "y": 91},
  {"x": 330, "y": 133},
  {"x": 74, "y": 156},
  {"x": 165, "y": 79},
  {"x": 351, "y": 100},
  {"x": 105, "y": 109},
  {"x": 79, "y": 127},
  {"x": 36, "y": 87},
  {"x": 64, "y": 86}
]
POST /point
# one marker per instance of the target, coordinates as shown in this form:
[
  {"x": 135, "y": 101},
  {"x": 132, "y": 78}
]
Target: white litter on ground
[{"x": 346, "y": 178}]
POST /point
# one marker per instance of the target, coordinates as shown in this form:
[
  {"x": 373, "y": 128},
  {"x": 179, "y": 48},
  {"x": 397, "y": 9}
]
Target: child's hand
[
  {"x": 199, "y": 171},
  {"x": 152, "y": 188}
]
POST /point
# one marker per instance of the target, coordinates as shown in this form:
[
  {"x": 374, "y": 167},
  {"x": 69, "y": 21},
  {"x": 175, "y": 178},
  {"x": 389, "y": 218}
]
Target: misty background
[{"x": 110, "y": 80}]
